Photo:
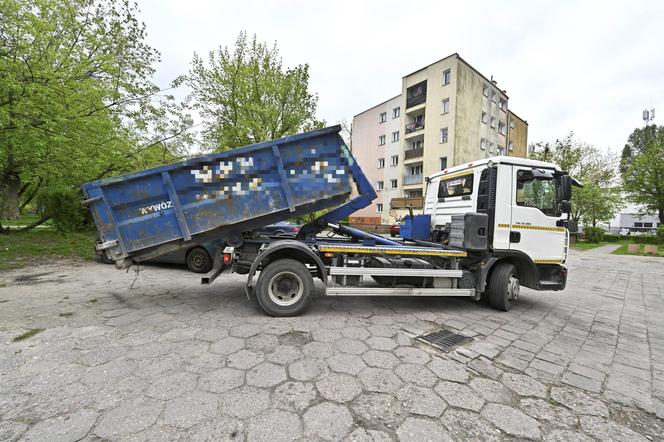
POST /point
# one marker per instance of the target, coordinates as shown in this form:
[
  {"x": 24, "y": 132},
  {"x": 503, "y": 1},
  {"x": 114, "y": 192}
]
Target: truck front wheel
[
  {"x": 283, "y": 288},
  {"x": 503, "y": 286}
]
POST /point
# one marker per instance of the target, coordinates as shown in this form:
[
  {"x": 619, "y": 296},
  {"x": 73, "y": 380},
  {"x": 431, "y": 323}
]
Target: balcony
[
  {"x": 412, "y": 179},
  {"x": 414, "y": 127},
  {"x": 416, "y": 94},
  {"x": 413, "y": 153},
  {"x": 404, "y": 203}
]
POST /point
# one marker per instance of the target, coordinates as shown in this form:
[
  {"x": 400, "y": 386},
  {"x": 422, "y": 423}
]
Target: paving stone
[
  {"x": 306, "y": 369},
  {"x": 244, "y": 402},
  {"x": 339, "y": 387},
  {"x": 351, "y": 346},
  {"x": 218, "y": 428},
  {"x": 129, "y": 417},
  {"x": 604, "y": 429},
  {"x": 546, "y": 367},
  {"x": 578, "y": 401},
  {"x": 343, "y": 363},
  {"x": 276, "y": 426},
  {"x": 448, "y": 370},
  {"x": 69, "y": 427},
  {"x": 583, "y": 382},
  {"x": 190, "y": 409},
  {"x": 295, "y": 396},
  {"x": 245, "y": 359},
  {"x": 486, "y": 349},
  {"x": 546, "y": 412},
  {"x": 376, "y": 410},
  {"x": 245, "y": 330},
  {"x": 421, "y": 430},
  {"x": 221, "y": 380},
  {"x": 412, "y": 355},
  {"x": 227, "y": 346},
  {"x": 266, "y": 375},
  {"x": 262, "y": 342},
  {"x": 360, "y": 333},
  {"x": 328, "y": 421},
  {"x": 326, "y": 335},
  {"x": 362, "y": 435},
  {"x": 380, "y": 380},
  {"x": 558, "y": 435},
  {"x": 381, "y": 343},
  {"x": 171, "y": 386},
  {"x": 492, "y": 391},
  {"x": 485, "y": 367},
  {"x": 416, "y": 374},
  {"x": 459, "y": 395},
  {"x": 512, "y": 421},
  {"x": 464, "y": 425},
  {"x": 421, "y": 400},
  {"x": 524, "y": 385},
  {"x": 512, "y": 362},
  {"x": 382, "y": 330},
  {"x": 380, "y": 359},
  {"x": 319, "y": 350},
  {"x": 284, "y": 354}
]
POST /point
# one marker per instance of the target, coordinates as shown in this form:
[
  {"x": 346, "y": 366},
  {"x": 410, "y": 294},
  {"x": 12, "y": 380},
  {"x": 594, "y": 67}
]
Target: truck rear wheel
[
  {"x": 283, "y": 288},
  {"x": 503, "y": 286}
]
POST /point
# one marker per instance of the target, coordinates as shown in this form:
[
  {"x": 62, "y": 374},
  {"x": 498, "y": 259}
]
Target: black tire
[
  {"x": 503, "y": 286},
  {"x": 393, "y": 235},
  {"x": 278, "y": 232},
  {"x": 283, "y": 288},
  {"x": 199, "y": 260}
]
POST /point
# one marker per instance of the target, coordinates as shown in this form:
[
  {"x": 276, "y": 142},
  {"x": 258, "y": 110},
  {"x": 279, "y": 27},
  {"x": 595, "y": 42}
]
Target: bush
[
  {"x": 64, "y": 207},
  {"x": 660, "y": 233},
  {"x": 594, "y": 234},
  {"x": 634, "y": 239}
]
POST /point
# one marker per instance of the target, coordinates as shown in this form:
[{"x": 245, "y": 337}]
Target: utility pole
[{"x": 648, "y": 116}]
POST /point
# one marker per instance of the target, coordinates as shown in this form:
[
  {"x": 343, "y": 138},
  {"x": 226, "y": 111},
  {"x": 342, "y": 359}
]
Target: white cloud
[{"x": 591, "y": 67}]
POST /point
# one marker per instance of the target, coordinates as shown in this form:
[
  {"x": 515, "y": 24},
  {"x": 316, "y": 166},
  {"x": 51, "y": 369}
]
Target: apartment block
[{"x": 448, "y": 113}]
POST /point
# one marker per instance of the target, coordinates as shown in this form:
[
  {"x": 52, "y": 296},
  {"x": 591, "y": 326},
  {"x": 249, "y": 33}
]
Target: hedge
[{"x": 634, "y": 239}]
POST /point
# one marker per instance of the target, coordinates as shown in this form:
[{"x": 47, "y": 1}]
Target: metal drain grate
[{"x": 444, "y": 340}]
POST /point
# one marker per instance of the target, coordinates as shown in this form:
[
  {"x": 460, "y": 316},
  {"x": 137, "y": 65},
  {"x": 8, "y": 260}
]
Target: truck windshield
[
  {"x": 540, "y": 193},
  {"x": 456, "y": 186}
]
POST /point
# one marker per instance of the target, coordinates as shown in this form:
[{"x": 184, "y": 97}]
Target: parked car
[
  {"x": 198, "y": 258},
  {"x": 395, "y": 229},
  {"x": 282, "y": 228}
]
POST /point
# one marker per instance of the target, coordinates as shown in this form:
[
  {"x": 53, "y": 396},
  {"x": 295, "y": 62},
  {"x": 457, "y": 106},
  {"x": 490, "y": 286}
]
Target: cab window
[
  {"x": 456, "y": 186},
  {"x": 538, "y": 192}
]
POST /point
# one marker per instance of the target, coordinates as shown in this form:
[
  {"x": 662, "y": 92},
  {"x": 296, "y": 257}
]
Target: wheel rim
[
  {"x": 198, "y": 259},
  {"x": 285, "y": 288},
  {"x": 513, "y": 288}
]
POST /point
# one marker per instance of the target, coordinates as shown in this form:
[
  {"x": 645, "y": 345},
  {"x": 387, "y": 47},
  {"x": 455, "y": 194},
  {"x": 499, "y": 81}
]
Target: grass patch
[
  {"x": 622, "y": 250},
  {"x": 30, "y": 333},
  {"x": 23, "y": 220},
  {"x": 586, "y": 245},
  {"x": 66, "y": 314},
  {"x": 19, "y": 249},
  {"x": 93, "y": 300}
]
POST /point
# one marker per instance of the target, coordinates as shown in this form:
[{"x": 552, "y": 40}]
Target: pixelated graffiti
[
  {"x": 320, "y": 169},
  {"x": 222, "y": 170},
  {"x": 155, "y": 207}
]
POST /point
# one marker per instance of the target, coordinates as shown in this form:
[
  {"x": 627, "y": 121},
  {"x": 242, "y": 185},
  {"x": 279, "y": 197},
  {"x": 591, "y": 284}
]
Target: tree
[
  {"x": 246, "y": 95},
  {"x": 599, "y": 199},
  {"x": 76, "y": 99},
  {"x": 642, "y": 169}
]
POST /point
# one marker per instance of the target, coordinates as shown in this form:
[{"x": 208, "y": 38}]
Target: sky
[{"x": 588, "y": 67}]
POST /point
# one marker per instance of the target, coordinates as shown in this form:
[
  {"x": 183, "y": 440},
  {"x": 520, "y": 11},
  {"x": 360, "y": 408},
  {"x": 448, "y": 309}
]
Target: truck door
[{"x": 533, "y": 229}]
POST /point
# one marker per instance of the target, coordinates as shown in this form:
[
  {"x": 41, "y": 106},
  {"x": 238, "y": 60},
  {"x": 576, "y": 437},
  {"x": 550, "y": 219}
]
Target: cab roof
[{"x": 497, "y": 160}]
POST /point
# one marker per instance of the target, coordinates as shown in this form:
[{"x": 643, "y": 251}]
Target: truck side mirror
[
  {"x": 564, "y": 206},
  {"x": 566, "y": 188}
]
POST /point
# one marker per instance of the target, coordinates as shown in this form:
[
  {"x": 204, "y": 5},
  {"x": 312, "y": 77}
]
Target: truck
[{"x": 487, "y": 227}]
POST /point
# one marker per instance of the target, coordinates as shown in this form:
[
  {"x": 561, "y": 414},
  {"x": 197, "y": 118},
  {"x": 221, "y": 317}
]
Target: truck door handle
[{"x": 515, "y": 237}]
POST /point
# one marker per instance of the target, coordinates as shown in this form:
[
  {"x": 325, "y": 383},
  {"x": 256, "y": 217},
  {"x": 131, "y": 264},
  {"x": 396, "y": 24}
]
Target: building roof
[
  {"x": 379, "y": 104},
  {"x": 512, "y": 113}
]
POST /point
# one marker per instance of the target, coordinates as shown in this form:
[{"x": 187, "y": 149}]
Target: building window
[
  {"x": 485, "y": 91},
  {"x": 647, "y": 224},
  {"x": 493, "y": 96},
  {"x": 447, "y": 76},
  {"x": 501, "y": 150},
  {"x": 380, "y": 185},
  {"x": 393, "y": 184},
  {"x": 443, "y": 135},
  {"x": 491, "y": 146},
  {"x": 381, "y": 140},
  {"x": 395, "y": 136},
  {"x": 511, "y": 145},
  {"x": 443, "y": 163},
  {"x": 417, "y": 144},
  {"x": 511, "y": 124},
  {"x": 501, "y": 128},
  {"x": 381, "y": 163},
  {"x": 483, "y": 144},
  {"x": 379, "y": 207},
  {"x": 446, "y": 105},
  {"x": 502, "y": 103},
  {"x": 636, "y": 224},
  {"x": 485, "y": 118},
  {"x": 493, "y": 122},
  {"x": 396, "y": 112},
  {"x": 383, "y": 117},
  {"x": 395, "y": 160},
  {"x": 456, "y": 186}
]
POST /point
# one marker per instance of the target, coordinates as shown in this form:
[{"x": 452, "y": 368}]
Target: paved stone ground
[{"x": 170, "y": 359}]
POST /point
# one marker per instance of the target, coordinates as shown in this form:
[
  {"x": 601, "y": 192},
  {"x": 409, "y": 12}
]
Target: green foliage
[
  {"x": 660, "y": 233},
  {"x": 246, "y": 95},
  {"x": 594, "y": 234},
  {"x": 634, "y": 239},
  {"x": 599, "y": 200},
  {"x": 63, "y": 206},
  {"x": 39, "y": 245},
  {"x": 642, "y": 168},
  {"x": 76, "y": 98}
]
